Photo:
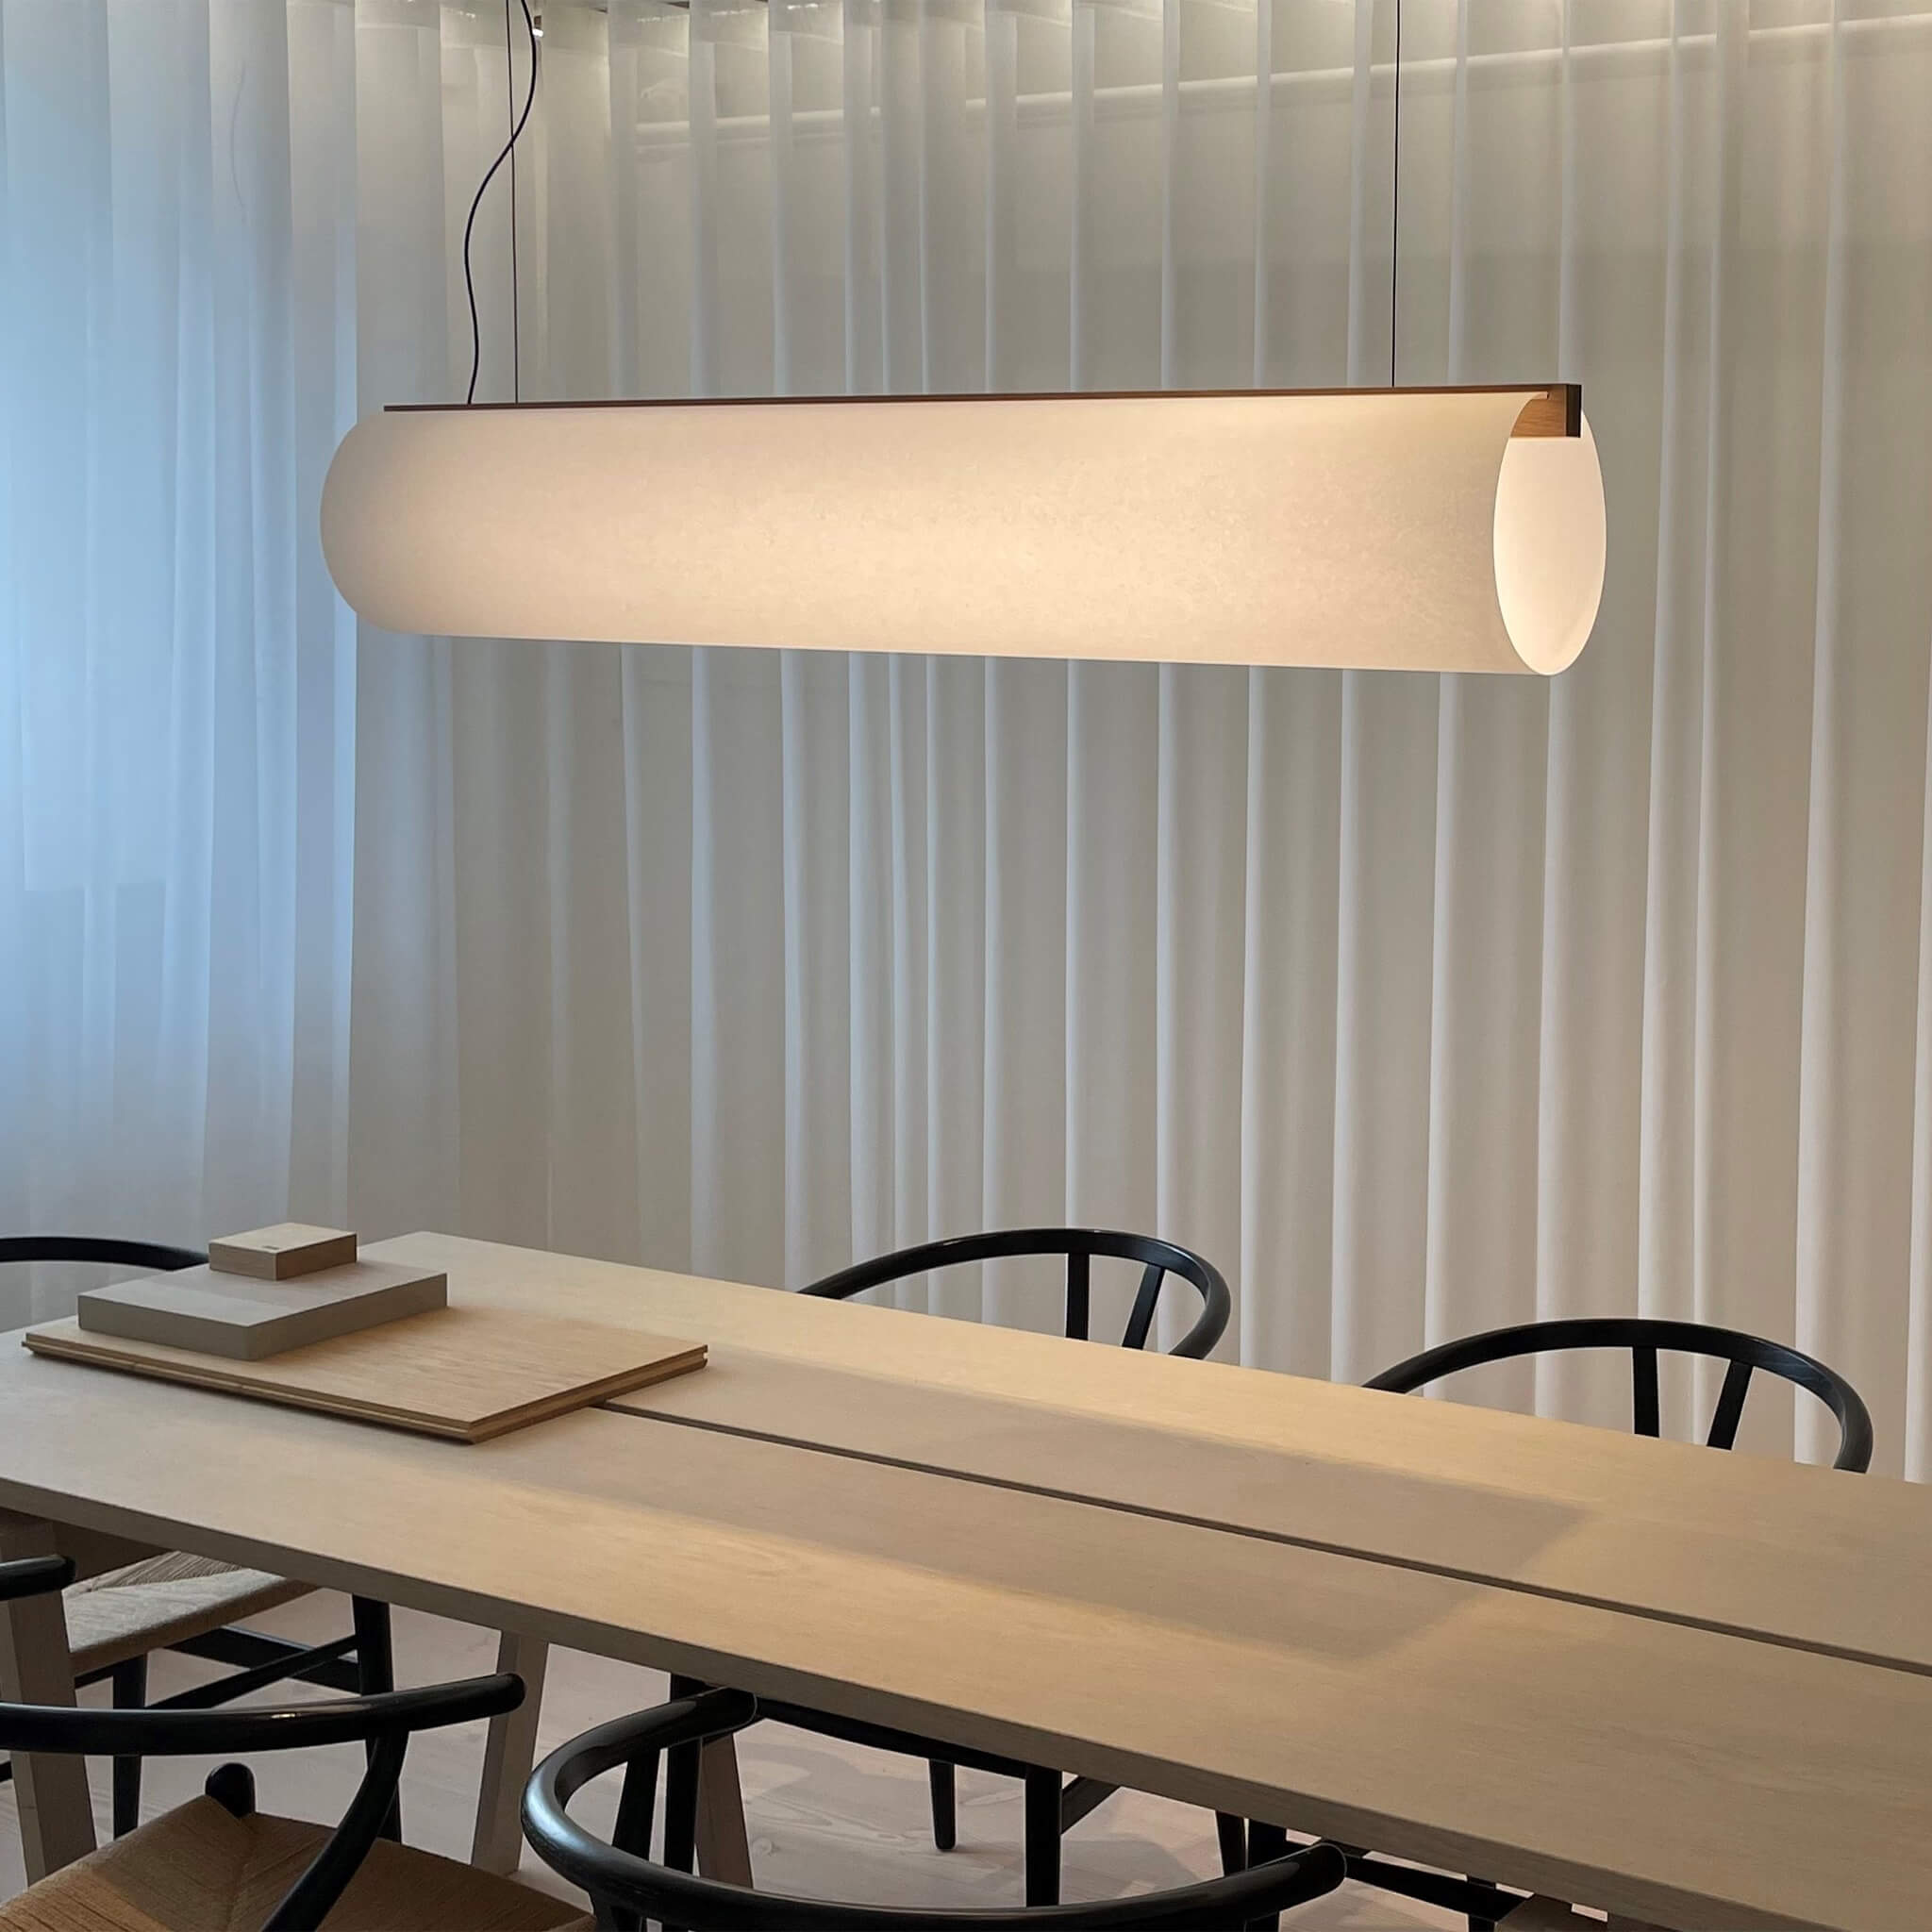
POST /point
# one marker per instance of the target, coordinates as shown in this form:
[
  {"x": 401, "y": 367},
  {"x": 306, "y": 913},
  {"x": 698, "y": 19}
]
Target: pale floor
[{"x": 824, "y": 1818}]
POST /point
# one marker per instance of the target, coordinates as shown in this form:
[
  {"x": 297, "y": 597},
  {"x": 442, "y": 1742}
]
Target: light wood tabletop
[
  {"x": 1814, "y": 1558},
  {"x": 1685, "y": 1778},
  {"x": 1693, "y": 1778}
]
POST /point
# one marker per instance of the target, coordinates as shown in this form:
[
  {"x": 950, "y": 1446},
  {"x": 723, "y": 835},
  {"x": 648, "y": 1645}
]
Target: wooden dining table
[{"x": 1691, "y": 1688}]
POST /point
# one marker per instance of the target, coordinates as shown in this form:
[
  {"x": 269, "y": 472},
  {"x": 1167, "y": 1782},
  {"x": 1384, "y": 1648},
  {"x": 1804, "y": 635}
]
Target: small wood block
[
  {"x": 246, "y": 1319},
  {"x": 284, "y": 1250},
  {"x": 464, "y": 1374}
]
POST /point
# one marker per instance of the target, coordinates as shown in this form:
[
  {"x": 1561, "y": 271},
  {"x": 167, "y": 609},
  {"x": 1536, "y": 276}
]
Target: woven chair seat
[
  {"x": 126, "y": 1613},
  {"x": 198, "y": 1868}
]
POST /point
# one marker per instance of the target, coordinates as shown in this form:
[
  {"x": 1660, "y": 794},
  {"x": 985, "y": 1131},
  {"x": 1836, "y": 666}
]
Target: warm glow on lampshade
[{"x": 1400, "y": 529}]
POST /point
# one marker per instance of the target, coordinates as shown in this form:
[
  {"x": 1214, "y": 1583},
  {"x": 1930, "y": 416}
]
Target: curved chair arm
[
  {"x": 33, "y": 1577},
  {"x": 101, "y": 1248},
  {"x": 618, "y": 1877},
  {"x": 1159, "y": 1258},
  {"x": 58, "y": 1728}
]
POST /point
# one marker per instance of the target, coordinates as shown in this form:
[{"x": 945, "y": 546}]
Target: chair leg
[
  {"x": 1043, "y": 1837},
  {"x": 637, "y": 1807},
  {"x": 681, "y": 1769},
  {"x": 681, "y": 1806},
  {"x": 1265, "y": 1841},
  {"x": 375, "y": 1672},
  {"x": 129, "y": 1684},
  {"x": 1233, "y": 1834},
  {"x": 1480, "y": 1925},
  {"x": 944, "y": 1779}
]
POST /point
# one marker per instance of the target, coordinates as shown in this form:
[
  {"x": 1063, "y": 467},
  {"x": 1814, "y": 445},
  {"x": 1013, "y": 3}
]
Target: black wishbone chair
[
  {"x": 1645, "y": 1338},
  {"x": 216, "y": 1861},
  {"x": 194, "y": 1605},
  {"x": 1485, "y": 1907},
  {"x": 626, "y": 1888},
  {"x": 1051, "y": 1807},
  {"x": 1157, "y": 1260}
]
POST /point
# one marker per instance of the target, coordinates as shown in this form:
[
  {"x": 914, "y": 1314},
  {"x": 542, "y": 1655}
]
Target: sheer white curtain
[
  {"x": 176, "y": 732},
  {"x": 1418, "y": 1004}
]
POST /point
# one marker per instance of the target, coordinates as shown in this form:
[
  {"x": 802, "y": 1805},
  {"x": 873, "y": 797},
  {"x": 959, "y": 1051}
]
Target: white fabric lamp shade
[{"x": 1404, "y": 529}]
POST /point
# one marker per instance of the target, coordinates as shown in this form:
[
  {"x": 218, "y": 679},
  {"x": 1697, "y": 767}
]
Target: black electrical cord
[{"x": 507, "y": 154}]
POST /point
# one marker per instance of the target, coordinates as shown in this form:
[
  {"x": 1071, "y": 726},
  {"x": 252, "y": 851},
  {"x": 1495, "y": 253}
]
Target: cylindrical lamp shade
[{"x": 1433, "y": 530}]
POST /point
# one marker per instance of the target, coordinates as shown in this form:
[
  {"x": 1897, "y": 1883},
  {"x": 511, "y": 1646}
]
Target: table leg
[
  {"x": 508, "y": 1756},
  {"x": 57, "y": 1816},
  {"x": 724, "y": 1850}
]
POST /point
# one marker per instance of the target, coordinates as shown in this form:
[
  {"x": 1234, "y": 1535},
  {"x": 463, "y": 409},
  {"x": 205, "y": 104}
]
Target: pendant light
[{"x": 1436, "y": 529}]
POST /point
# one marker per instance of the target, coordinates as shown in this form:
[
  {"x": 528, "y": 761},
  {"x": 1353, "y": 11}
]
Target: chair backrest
[
  {"x": 626, "y": 1885},
  {"x": 1159, "y": 1260},
  {"x": 1644, "y": 1338},
  {"x": 384, "y": 1722},
  {"x": 97, "y": 1248}
]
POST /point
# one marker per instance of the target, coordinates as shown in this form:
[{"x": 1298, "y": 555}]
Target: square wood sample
[
  {"x": 287, "y": 1249},
  {"x": 246, "y": 1317}
]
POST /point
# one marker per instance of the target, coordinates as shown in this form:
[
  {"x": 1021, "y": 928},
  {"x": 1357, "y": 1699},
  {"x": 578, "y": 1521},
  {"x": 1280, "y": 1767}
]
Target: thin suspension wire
[
  {"x": 508, "y": 153},
  {"x": 516, "y": 286},
  {"x": 1395, "y": 200}
]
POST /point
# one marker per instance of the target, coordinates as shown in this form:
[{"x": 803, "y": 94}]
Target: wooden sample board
[
  {"x": 1702, "y": 1782},
  {"x": 466, "y": 1374},
  {"x": 1815, "y": 1559},
  {"x": 248, "y": 1317}
]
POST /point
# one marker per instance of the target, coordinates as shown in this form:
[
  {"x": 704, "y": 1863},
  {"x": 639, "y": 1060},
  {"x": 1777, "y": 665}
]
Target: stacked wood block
[{"x": 263, "y": 1292}]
